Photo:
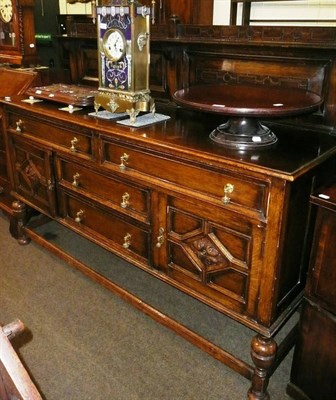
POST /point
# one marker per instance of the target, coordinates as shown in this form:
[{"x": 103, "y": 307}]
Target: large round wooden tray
[{"x": 244, "y": 105}]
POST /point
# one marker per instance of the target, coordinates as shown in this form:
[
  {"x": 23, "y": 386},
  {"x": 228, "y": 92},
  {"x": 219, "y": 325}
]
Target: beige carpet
[{"x": 85, "y": 343}]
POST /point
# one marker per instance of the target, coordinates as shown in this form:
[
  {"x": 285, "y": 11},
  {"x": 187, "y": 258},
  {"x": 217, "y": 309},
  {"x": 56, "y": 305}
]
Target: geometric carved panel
[
  {"x": 32, "y": 175},
  {"x": 29, "y": 173},
  {"x": 215, "y": 256}
]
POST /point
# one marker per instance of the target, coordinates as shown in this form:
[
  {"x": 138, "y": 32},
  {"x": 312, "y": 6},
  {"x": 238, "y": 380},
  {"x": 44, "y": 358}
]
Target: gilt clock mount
[
  {"x": 123, "y": 30},
  {"x": 17, "y": 32}
]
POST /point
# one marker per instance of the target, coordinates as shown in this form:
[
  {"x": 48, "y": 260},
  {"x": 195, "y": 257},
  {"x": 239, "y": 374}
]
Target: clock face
[
  {"x": 114, "y": 44},
  {"x": 6, "y": 10}
]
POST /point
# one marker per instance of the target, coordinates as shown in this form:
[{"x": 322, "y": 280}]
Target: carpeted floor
[{"x": 83, "y": 342}]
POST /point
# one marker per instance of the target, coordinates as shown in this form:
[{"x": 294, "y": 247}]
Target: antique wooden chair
[{"x": 15, "y": 383}]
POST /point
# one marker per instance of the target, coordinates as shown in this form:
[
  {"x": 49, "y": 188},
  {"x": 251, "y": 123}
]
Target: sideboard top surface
[{"x": 186, "y": 134}]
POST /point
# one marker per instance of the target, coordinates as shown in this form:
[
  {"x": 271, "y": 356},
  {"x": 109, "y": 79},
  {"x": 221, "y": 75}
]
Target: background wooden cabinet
[
  {"x": 313, "y": 373},
  {"x": 187, "y": 11},
  {"x": 12, "y": 81}
]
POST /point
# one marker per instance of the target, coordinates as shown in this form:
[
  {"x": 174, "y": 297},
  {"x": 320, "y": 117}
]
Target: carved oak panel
[
  {"x": 33, "y": 179},
  {"x": 218, "y": 258}
]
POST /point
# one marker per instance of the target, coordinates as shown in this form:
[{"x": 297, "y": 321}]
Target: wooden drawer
[
  {"x": 117, "y": 194},
  {"x": 109, "y": 229},
  {"x": 250, "y": 194},
  {"x": 53, "y": 134}
]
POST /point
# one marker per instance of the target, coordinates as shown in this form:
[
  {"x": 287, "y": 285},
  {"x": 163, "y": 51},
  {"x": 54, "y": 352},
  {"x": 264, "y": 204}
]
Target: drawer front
[
  {"x": 117, "y": 194},
  {"x": 110, "y": 229},
  {"x": 33, "y": 179},
  {"x": 57, "y": 135},
  {"x": 224, "y": 187}
]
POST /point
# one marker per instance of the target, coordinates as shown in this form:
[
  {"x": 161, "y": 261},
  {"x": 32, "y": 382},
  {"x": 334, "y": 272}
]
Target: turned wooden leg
[
  {"x": 18, "y": 220},
  {"x": 263, "y": 353}
]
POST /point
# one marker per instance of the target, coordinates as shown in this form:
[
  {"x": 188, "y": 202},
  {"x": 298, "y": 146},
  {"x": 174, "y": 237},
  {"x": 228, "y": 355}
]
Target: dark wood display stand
[
  {"x": 245, "y": 105},
  {"x": 313, "y": 373}
]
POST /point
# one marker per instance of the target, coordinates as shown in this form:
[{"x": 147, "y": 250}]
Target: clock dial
[
  {"x": 114, "y": 44},
  {"x": 6, "y": 10}
]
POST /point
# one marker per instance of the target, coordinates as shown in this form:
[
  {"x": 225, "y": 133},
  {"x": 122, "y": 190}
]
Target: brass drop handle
[
  {"x": 127, "y": 241},
  {"x": 123, "y": 161},
  {"x": 50, "y": 185},
  {"x": 228, "y": 189},
  {"x": 160, "y": 238},
  {"x": 74, "y": 142},
  {"x": 125, "y": 200},
  {"x": 19, "y": 126},
  {"x": 75, "y": 182},
  {"x": 79, "y": 216}
]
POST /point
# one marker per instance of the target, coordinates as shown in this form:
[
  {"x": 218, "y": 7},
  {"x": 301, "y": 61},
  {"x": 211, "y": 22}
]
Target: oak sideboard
[{"x": 229, "y": 228}]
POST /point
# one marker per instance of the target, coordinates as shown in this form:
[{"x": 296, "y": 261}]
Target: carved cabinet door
[
  {"x": 210, "y": 252},
  {"x": 32, "y": 174}
]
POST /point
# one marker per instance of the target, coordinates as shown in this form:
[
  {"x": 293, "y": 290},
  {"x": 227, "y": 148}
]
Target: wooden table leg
[
  {"x": 18, "y": 220},
  {"x": 263, "y": 354}
]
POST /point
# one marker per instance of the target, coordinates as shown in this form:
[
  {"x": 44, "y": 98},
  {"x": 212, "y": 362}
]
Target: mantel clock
[
  {"x": 123, "y": 51},
  {"x": 17, "y": 32}
]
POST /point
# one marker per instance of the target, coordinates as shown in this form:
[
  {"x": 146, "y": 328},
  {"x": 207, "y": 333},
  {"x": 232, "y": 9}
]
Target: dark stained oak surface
[{"x": 187, "y": 132}]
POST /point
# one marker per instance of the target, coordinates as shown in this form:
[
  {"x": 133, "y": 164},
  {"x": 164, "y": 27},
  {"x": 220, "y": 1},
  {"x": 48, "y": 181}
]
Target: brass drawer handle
[
  {"x": 75, "y": 182},
  {"x": 74, "y": 142},
  {"x": 228, "y": 189},
  {"x": 127, "y": 241},
  {"x": 79, "y": 216},
  {"x": 19, "y": 126},
  {"x": 123, "y": 161},
  {"x": 50, "y": 185},
  {"x": 125, "y": 200},
  {"x": 160, "y": 238}
]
